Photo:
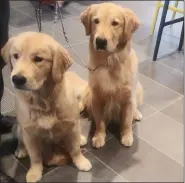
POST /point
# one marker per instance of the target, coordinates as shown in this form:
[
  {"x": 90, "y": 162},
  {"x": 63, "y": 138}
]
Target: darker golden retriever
[{"x": 115, "y": 92}]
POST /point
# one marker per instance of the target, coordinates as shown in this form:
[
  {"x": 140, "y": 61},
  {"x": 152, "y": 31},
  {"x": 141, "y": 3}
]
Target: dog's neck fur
[
  {"x": 44, "y": 99},
  {"x": 107, "y": 59}
]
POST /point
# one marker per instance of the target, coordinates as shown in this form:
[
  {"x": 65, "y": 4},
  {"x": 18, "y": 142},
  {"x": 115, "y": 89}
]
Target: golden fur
[
  {"x": 115, "y": 91},
  {"x": 48, "y": 104}
]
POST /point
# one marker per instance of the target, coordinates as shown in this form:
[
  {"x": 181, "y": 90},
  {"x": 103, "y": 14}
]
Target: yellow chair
[{"x": 174, "y": 8}]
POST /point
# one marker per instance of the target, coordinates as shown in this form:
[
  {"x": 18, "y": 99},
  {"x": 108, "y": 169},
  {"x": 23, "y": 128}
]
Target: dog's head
[
  {"x": 36, "y": 58},
  {"x": 109, "y": 25}
]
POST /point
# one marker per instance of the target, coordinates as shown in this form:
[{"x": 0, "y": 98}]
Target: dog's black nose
[
  {"x": 101, "y": 43},
  {"x": 18, "y": 80}
]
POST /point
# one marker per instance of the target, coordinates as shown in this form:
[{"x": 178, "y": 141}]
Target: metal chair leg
[
  {"x": 159, "y": 5},
  {"x": 161, "y": 27},
  {"x": 181, "y": 39}
]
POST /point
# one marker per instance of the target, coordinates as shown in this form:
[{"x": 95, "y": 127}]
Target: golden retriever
[
  {"x": 47, "y": 101},
  {"x": 113, "y": 77}
]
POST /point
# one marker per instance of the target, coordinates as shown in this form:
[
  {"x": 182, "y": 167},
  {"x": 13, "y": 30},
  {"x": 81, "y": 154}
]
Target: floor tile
[
  {"x": 163, "y": 74},
  {"x": 147, "y": 45},
  {"x": 74, "y": 31},
  {"x": 163, "y": 133},
  {"x": 70, "y": 11},
  {"x": 77, "y": 19},
  {"x": 139, "y": 163},
  {"x": 50, "y": 28},
  {"x": 47, "y": 13},
  {"x": 26, "y": 163},
  {"x": 175, "y": 60},
  {"x": 8, "y": 163},
  {"x": 47, "y": 28},
  {"x": 8, "y": 101},
  {"x": 156, "y": 95},
  {"x": 99, "y": 173},
  {"x": 175, "y": 111},
  {"x": 18, "y": 4},
  {"x": 13, "y": 168},
  {"x": 146, "y": 110},
  {"x": 19, "y": 19},
  {"x": 82, "y": 51},
  {"x": 141, "y": 57},
  {"x": 82, "y": 5}
]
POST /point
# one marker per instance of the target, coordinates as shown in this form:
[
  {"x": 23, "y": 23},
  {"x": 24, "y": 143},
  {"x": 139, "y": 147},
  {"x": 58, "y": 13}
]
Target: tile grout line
[
  {"x": 107, "y": 166},
  {"x": 161, "y": 84},
  {"x": 20, "y": 162},
  {"x": 166, "y": 105},
  {"x": 158, "y": 149},
  {"x": 51, "y": 171},
  {"x": 172, "y": 119},
  {"x": 171, "y": 68},
  {"x": 151, "y": 143},
  {"x": 24, "y": 13}
]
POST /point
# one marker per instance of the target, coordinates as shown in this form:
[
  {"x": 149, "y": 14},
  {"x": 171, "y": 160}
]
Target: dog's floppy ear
[
  {"x": 85, "y": 18},
  {"x": 131, "y": 24},
  {"x": 61, "y": 62},
  {"x": 5, "y": 51}
]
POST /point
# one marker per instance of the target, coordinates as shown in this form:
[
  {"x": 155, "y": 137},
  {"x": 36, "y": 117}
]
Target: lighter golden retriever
[
  {"x": 48, "y": 101},
  {"x": 113, "y": 78}
]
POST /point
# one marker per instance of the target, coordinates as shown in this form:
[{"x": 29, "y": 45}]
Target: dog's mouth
[{"x": 20, "y": 87}]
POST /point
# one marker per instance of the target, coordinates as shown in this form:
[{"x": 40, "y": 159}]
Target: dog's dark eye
[
  {"x": 15, "y": 56},
  {"x": 38, "y": 59},
  {"x": 96, "y": 21},
  {"x": 114, "y": 23}
]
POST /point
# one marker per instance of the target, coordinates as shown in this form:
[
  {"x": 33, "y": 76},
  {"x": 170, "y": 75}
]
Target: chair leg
[
  {"x": 174, "y": 13},
  {"x": 161, "y": 27},
  {"x": 159, "y": 4},
  {"x": 181, "y": 39}
]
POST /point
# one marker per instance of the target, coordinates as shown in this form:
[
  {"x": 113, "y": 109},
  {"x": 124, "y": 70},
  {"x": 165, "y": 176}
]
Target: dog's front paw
[
  {"x": 98, "y": 141},
  {"x": 127, "y": 139},
  {"x": 83, "y": 164},
  {"x": 83, "y": 140},
  {"x": 138, "y": 116},
  {"x": 21, "y": 153},
  {"x": 34, "y": 174}
]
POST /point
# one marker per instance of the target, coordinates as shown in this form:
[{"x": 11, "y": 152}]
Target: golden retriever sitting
[
  {"x": 115, "y": 89},
  {"x": 47, "y": 100}
]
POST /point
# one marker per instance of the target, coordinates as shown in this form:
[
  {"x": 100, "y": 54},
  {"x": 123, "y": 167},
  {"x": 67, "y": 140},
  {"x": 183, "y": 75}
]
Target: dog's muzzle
[
  {"x": 101, "y": 43},
  {"x": 19, "y": 81}
]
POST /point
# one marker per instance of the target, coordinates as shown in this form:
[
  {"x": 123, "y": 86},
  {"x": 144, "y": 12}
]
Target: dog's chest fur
[
  {"x": 47, "y": 117},
  {"x": 113, "y": 87}
]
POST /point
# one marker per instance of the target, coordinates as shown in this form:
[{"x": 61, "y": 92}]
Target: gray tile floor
[{"x": 157, "y": 152}]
